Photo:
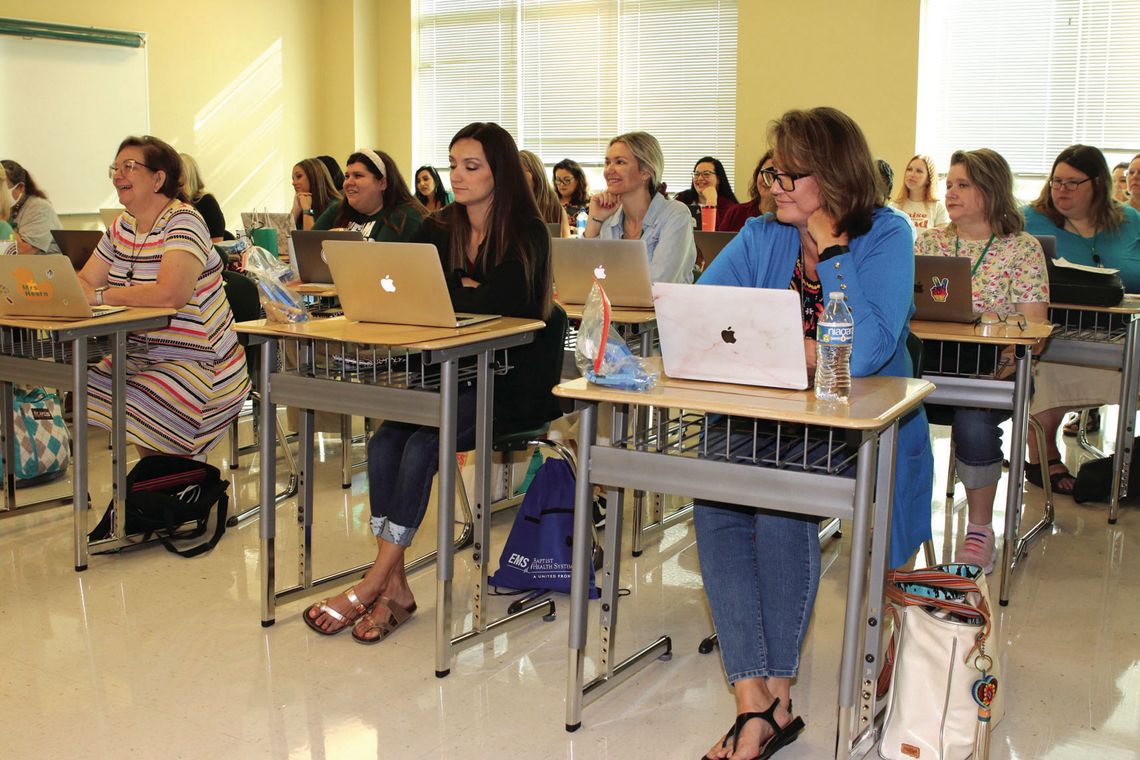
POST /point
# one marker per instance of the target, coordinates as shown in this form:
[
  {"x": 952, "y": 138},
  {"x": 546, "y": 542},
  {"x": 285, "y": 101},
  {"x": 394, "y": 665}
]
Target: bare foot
[
  {"x": 754, "y": 734},
  {"x": 344, "y": 605}
]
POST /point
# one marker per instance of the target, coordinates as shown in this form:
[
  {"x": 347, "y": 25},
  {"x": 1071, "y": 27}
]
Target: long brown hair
[
  {"x": 581, "y": 195},
  {"x": 1106, "y": 213},
  {"x": 989, "y": 170},
  {"x": 395, "y": 196},
  {"x": 321, "y": 185},
  {"x": 19, "y": 175},
  {"x": 544, "y": 195},
  {"x": 828, "y": 145},
  {"x": 512, "y": 212}
]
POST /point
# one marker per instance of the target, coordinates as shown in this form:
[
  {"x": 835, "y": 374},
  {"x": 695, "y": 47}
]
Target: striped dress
[{"x": 185, "y": 382}]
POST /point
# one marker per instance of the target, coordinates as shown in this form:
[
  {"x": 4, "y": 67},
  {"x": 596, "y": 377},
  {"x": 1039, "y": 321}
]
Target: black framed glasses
[
  {"x": 787, "y": 181},
  {"x": 704, "y": 175},
  {"x": 128, "y": 166},
  {"x": 1068, "y": 184},
  {"x": 564, "y": 180}
]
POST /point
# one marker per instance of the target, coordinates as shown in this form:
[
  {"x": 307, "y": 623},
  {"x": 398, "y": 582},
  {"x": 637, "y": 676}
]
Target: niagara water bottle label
[{"x": 835, "y": 335}]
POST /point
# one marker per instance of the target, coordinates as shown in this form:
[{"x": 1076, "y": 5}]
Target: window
[
  {"x": 1029, "y": 78},
  {"x": 565, "y": 76}
]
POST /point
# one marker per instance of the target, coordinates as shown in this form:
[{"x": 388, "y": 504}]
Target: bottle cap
[{"x": 837, "y": 294}]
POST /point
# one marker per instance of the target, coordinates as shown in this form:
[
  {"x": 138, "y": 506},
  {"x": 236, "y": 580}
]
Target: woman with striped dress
[{"x": 185, "y": 382}]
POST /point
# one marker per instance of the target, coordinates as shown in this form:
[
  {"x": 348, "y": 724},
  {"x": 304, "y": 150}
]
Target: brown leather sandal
[
  {"x": 322, "y": 607},
  {"x": 384, "y": 618}
]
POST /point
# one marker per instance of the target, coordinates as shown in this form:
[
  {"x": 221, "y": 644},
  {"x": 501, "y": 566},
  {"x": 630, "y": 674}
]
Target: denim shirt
[{"x": 667, "y": 230}]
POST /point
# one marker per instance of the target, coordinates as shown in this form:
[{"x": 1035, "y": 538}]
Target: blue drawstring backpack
[{"x": 537, "y": 555}]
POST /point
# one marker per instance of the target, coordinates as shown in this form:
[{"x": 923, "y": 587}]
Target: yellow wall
[{"x": 860, "y": 57}]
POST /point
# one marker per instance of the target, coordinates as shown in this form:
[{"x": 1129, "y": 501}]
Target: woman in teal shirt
[{"x": 376, "y": 200}]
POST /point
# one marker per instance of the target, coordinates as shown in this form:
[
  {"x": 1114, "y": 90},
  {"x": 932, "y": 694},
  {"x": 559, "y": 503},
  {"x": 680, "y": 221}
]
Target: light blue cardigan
[{"x": 877, "y": 277}]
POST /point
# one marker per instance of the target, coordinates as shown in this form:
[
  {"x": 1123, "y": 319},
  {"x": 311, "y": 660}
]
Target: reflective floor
[{"x": 153, "y": 656}]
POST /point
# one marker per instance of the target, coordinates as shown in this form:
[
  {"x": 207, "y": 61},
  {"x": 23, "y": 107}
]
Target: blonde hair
[
  {"x": 647, "y": 151},
  {"x": 192, "y": 183},
  {"x": 930, "y": 192},
  {"x": 544, "y": 195}
]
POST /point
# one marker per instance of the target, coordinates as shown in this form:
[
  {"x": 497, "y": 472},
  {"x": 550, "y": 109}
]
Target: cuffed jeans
[
  {"x": 761, "y": 574},
  {"x": 402, "y": 460},
  {"x": 977, "y": 446}
]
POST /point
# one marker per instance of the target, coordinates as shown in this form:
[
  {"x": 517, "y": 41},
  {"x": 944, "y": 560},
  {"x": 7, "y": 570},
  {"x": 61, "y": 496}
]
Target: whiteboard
[{"x": 66, "y": 107}]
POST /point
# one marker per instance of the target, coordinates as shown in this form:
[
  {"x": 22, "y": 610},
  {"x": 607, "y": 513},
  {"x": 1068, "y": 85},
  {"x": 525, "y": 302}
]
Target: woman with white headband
[{"x": 376, "y": 200}]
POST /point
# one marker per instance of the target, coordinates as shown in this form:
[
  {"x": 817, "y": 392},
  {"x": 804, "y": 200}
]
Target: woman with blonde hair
[
  {"x": 917, "y": 196},
  {"x": 204, "y": 203},
  {"x": 632, "y": 208},
  {"x": 544, "y": 195}
]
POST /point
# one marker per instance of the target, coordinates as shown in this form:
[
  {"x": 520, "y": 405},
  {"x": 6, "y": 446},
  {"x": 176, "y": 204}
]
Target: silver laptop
[
  {"x": 710, "y": 244},
  {"x": 622, "y": 266},
  {"x": 77, "y": 245},
  {"x": 394, "y": 283},
  {"x": 45, "y": 287},
  {"x": 109, "y": 215},
  {"x": 942, "y": 289},
  {"x": 308, "y": 256},
  {"x": 751, "y": 336}
]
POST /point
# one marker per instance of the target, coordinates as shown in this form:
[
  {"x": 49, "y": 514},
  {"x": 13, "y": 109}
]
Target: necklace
[
  {"x": 978, "y": 263},
  {"x": 1085, "y": 242}
]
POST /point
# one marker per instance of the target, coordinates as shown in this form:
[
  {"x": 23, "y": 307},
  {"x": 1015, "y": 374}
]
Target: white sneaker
[{"x": 978, "y": 548}]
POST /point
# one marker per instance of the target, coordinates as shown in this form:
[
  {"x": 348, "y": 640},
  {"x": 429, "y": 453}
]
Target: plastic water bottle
[
  {"x": 834, "y": 336},
  {"x": 580, "y": 222}
]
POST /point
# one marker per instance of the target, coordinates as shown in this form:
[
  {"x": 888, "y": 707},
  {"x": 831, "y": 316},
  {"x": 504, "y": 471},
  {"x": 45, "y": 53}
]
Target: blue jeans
[
  {"x": 761, "y": 573},
  {"x": 402, "y": 460},
  {"x": 977, "y": 446}
]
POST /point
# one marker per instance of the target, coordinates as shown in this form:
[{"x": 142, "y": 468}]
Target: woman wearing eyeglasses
[
  {"x": 1007, "y": 276},
  {"x": 185, "y": 382},
  {"x": 761, "y": 569},
  {"x": 1076, "y": 207},
  {"x": 759, "y": 203},
  {"x": 631, "y": 208},
  {"x": 710, "y": 187},
  {"x": 572, "y": 188},
  {"x": 30, "y": 213}
]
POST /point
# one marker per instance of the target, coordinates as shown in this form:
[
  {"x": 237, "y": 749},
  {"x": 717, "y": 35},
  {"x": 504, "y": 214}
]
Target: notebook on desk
[
  {"x": 77, "y": 245},
  {"x": 942, "y": 289},
  {"x": 751, "y": 336},
  {"x": 308, "y": 256},
  {"x": 394, "y": 283},
  {"x": 46, "y": 287},
  {"x": 622, "y": 266}
]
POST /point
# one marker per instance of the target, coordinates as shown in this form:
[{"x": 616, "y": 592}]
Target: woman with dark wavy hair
[
  {"x": 430, "y": 190},
  {"x": 313, "y": 192},
  {"x": 572, "y": 188},
  {"x": 761, "y": 569},
  {"x": 710, "y": 187},
  {"x": 376, "y": 200},
  {"x": 495, "y": 250},
  {"x": 29, "y": 212}
]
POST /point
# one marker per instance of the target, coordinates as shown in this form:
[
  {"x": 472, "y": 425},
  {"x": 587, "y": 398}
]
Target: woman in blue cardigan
[{"x": 761, "y": 570}]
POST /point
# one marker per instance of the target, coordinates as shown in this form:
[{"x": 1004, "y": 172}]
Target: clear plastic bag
[
  {"x": 601, "y": 354},
  {"x": 279, "y": 302}
]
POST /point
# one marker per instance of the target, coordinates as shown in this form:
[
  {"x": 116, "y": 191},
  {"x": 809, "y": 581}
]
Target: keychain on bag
[{"x": 984, "y": 691}]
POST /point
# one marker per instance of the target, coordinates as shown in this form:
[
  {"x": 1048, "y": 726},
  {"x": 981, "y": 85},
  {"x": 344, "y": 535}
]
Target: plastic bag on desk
[
  {"x": 601, "y": 354},
  {"x": 279, "y": 302}
]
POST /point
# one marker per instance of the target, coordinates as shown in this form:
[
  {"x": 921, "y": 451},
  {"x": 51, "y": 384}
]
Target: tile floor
[{"x": 152, "y": 656}]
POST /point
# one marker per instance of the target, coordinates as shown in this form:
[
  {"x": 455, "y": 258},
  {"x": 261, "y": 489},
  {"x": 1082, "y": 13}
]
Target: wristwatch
[
  {"x": 309, "y": 212},
  {"x": 99, "y": 295}
]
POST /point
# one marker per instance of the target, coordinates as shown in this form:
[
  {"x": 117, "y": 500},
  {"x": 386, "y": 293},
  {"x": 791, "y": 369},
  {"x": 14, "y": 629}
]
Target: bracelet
[
  {"x": 596, "y": 219},
  {"x": 832, "y": 251}
]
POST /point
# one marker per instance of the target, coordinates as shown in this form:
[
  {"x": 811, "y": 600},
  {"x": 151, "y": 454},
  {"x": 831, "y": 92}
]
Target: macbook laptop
[
  {"x": 710, "y": 244},
  {"x": 77, "y": 245},
  {"x": 109, "y": 215},
  {"x": 394, "y": 283},
  {"x": 46, "y": 287},
  {"x": 307, "y": 253},
  {"x": 622, "y": 266},
  {"x": 942, "y": 291},
  {"x": 751, "y": 336},
  {"x": 555, "y": 229}
]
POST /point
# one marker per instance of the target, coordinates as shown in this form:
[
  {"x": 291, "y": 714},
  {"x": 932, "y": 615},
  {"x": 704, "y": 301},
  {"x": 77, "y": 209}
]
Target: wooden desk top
[
  {"x": 1130, "y": 305},
  {"x": 129, "y": 314},
  {"x": 313, "y": 289},
  {"x": 876, "y": 401},
  {"x": 619, "y": 315},
  {"x": 1002, "y": 334},
  {"x": 343, "y": 330}
]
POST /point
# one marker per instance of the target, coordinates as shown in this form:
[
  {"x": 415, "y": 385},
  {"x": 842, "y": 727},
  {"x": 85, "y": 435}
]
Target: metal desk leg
[
  {"x": 1015, "y": 485},
  {"x": 641, "y": 422},
  {"x": 444, "y": 570},
  {"x": 79, "y": 447},
  {"x": 118, "y": 435},
  {"x": 483, "y": 399},
  {"x": 1126, "y": 428},
  {"x": 306, "y": 422},
  {"x": 853, "y": 622},
  {"x": 8, "y": 445},
  {"x": 579, "y": 572},
  {"x": 268, "y": 529},
  {"x": 345, "y": 451}
]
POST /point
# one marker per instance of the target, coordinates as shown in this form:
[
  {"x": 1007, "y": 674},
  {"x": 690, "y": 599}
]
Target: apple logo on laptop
[
  {"x": 600, "y": 271},
  {"x": 729, "y": 335},
  {"x": 387, "y": 284}
]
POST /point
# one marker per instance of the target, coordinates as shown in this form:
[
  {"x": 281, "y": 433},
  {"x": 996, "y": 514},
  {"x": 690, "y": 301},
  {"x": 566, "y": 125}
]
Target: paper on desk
[{"x": 1061, "y": 262}]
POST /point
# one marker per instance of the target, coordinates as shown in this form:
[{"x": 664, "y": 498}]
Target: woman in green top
[{"x": 376, "y": 201}]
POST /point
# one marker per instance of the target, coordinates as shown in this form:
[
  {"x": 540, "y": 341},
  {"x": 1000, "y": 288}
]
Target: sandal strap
[
  {"x": 325, "y": 609},
  {"x": 768, "y": 715},
  {"x": 357, "y": 605}
]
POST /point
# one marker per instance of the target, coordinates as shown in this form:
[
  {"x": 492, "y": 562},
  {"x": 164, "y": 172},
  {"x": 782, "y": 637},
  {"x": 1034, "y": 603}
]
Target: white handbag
[{"x": 941, "y": 660}]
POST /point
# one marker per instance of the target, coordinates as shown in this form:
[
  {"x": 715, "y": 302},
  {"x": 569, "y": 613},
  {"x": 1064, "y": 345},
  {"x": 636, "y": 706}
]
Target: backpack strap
[{"x": 223, "y": 502}]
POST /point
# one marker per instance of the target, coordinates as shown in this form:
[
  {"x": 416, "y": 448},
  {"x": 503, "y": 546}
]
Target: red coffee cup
[{"x": 708, "y": 218}]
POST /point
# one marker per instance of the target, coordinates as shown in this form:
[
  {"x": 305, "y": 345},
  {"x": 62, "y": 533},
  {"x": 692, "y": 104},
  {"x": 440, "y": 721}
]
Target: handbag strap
[{"x": 961, "y": 608}]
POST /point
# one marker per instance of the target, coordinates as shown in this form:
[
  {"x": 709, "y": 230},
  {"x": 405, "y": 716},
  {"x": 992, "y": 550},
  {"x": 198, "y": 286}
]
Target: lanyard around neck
[{"x": 985, "y": 250}]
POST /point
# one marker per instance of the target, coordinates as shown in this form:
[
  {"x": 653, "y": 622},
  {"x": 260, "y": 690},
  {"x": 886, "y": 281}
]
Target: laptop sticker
[
  {"x": 940, "y": 290},
  {"x": 30, "y": 287}
]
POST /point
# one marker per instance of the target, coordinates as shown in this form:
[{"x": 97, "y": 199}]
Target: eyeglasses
[
  {"x": 1068, "y": 184},
  {"x": 704, "y": 175},
  {"x": 128, "y": 166},
  {"x": 992, "y": 318},
  {"x": 564, "y": 180},
  {"x": 787, "y": 181}
]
